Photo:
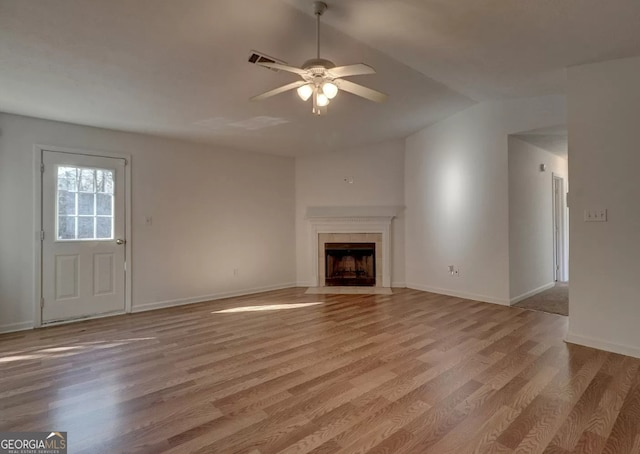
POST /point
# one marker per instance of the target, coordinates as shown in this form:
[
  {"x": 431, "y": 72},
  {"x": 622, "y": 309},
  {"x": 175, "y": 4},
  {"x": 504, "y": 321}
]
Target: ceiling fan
[{"x": 321, "y": 78}]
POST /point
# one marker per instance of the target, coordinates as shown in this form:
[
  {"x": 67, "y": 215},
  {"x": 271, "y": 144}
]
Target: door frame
[
  {"x": 559, "y": 240},
  {"x": 38, "y": 151}
]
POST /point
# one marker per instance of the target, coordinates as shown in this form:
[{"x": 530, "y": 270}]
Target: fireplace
[
  {"x": 346, "y": 224},
  {"x": 350, "y": 264}
]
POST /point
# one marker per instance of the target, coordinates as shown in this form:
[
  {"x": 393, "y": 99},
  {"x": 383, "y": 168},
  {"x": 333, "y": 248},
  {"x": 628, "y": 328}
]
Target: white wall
[
  {"x": 456, "y": 197},
  {"x": 378, "y": 180},
  {"x": 531, "y": 217},
  {"x": 213, "y": 210},
  {"x": 604, "y": 164}
]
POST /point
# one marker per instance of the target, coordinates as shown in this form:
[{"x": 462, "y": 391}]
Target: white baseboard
[
  {"x": 398, "y": 285},
  {"x": 469, "y": 296},
  {"x": 201, "y": 299},
  {"x": 20, "y": 326},
  {"x": 303, "y": 284},
  {"x": 603, "y": 345},
  {"x": 530, "y": 293}
]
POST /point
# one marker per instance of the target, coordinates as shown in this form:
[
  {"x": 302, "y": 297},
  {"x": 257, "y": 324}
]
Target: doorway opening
[{"x": 538, "y": 221}]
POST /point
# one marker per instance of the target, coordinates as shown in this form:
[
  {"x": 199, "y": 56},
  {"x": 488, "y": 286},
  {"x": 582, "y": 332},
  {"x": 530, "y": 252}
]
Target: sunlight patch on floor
[
  {"x": 267, "y": 307},
  {"x": 68, "y": 350}
]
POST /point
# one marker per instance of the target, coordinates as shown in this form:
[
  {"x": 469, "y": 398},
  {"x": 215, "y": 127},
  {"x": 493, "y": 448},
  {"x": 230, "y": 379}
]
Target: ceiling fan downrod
[{"x": 318, "y": 9}]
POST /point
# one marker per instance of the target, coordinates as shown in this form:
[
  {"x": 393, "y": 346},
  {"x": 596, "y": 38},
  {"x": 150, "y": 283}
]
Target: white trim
[
  {"x": 398, "y": 284},
  {"x": 303, "y": 284},
  {"x": 37, "y": 227},
  {"x": 603, "y": 345},
  {"x": 13, "y": 327},
  {"x": 353, "y": 211},
  {"x": 82, "y": 319},
  {"x": 530, "y": 293},
  {"x": 38, "y": 154},
  {"x": 469, "y": 296},
  {"x": 559, "y": 260},
  {"x": 216, "y": 296}
]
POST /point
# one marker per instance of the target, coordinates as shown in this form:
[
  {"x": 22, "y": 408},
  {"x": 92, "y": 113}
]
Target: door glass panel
[
  {"x": 67, "y": 178},
  {"x": 85, "y": 227},
  {"x": 87, "y": 180},
  {"x": 66, "y": 202},
  {"x": 104, "y": 227},
  {"x": 84, "y": 208},
  {"x": 103, "y": 204},
  {"x": 66, "y": 227},
  {"x": 86, "y": 204},
  {"x": 104, "y": 181}
]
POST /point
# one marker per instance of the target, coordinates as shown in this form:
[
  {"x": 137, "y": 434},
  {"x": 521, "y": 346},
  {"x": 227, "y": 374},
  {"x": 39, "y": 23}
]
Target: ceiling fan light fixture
[
  {"x": 322, "y": 100},
  {"x": 305, "y": 91},
  {"x": 321, "y": 78},
  {"x": 330, "y": 89}
]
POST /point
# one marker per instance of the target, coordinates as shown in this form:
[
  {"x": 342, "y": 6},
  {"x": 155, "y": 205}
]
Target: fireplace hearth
[{"x": 350, "y": 264}]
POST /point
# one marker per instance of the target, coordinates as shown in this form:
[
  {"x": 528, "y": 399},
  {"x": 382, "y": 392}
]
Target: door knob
[{"x": 119, "y": 241}]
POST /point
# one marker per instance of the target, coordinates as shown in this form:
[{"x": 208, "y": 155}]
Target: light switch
[{"x": 599, "y": 215}]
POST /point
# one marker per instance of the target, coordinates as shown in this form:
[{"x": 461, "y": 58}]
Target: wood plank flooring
[{"x": 285, "y": 372}]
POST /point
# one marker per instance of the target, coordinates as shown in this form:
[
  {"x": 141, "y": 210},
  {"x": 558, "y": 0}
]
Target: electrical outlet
[
  {"x": 451, "y": 269},
  {"x": 599, "y": 215}
]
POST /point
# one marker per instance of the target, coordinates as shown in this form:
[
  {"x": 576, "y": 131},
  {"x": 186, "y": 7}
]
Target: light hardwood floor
[{"x": 282, "y": 371}]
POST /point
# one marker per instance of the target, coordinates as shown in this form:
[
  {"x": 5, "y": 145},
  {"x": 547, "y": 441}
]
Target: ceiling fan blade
[
  {"x": 277, "y": 91},
  {"x": 291, "y": 69},
  {"x": 359, "y": 69},
  {"x": 360, "y": 90}
]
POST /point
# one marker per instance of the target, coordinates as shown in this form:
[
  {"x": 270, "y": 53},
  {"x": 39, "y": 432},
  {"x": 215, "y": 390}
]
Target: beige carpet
[
  {"x": 555, "y": 300},
  {"x": 349, "y": 291}
]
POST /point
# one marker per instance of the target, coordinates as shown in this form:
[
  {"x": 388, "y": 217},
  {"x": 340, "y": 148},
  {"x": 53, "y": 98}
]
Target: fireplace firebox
[{"x": 350, "y": 264}]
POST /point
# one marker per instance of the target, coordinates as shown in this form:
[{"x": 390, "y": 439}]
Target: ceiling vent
[{"x": 258, "y": 57}]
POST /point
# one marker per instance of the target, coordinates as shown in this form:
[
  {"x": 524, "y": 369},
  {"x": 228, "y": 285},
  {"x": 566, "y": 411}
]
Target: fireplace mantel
[
  {"x": 363, "y": 219},
  {"x": 353, "y": 212}
]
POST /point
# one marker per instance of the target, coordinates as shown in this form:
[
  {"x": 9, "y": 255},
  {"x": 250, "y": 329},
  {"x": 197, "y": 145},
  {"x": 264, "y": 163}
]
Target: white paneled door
[{"x": 83, "y": 223}]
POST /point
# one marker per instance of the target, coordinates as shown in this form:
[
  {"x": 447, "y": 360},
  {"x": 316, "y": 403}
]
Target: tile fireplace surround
[{"x": 351, "y": 225}]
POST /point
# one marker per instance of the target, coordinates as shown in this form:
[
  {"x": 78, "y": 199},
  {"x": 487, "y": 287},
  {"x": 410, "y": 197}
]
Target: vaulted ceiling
[{"x": 179, "y": 68}]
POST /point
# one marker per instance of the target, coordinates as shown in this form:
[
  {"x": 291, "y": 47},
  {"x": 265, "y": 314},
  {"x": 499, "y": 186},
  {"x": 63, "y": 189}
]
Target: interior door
[{"x": 83, "y": 223}]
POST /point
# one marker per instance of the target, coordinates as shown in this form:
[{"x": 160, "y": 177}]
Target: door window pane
[
  {"x": 103, "y": 204},
  {"x": 87, "y": 180},
  {"x": 66, "y": 227},
  {"x": 104, "y": 227},
  {"x": 104, "y": 181},
  {"x": 85, "y": 227},
  {"x": 84, "y": 203},
  {"x": 66, "y": 202},
  {"x": 67, "y": 178}
]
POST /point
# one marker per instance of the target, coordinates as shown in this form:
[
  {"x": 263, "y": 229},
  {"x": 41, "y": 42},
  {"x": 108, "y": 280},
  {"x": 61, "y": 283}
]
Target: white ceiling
[{"x": 179, "y": 68}]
